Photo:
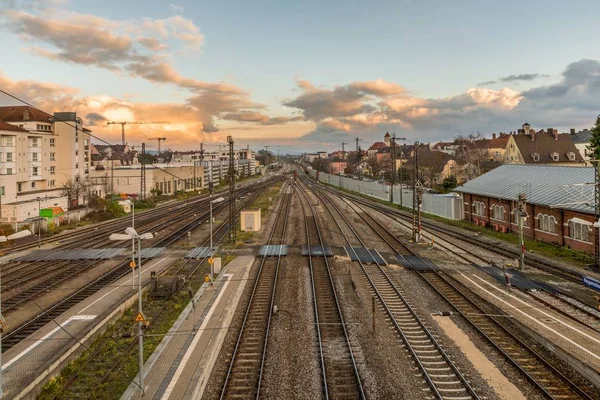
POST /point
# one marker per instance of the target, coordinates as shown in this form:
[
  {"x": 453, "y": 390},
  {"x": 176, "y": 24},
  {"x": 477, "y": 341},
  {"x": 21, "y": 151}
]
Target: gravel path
[{"x": 292, "y": 370}]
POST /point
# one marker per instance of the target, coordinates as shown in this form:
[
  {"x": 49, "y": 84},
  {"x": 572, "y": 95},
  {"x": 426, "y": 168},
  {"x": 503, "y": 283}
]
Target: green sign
[{"x": 46, "y": 213}]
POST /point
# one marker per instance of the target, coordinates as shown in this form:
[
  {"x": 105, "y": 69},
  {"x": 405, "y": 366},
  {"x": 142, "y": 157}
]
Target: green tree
[
  {"x": 449, "y": 183},
  {"x": 594, "y": 146}
]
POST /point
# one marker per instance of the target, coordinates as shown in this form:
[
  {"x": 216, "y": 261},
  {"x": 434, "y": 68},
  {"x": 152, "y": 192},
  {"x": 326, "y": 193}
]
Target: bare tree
[{"x": 74, "y": 187}]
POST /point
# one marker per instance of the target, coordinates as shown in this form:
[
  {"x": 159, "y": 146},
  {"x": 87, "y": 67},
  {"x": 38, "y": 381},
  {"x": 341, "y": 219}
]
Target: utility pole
[
  {"x": 414, "y": 187},
  {"x": 522, "y": 212},
  {"x": 596, "y": 214},
  {"x": 143, "y": 173},
  {"x": 393, "y": 177},
  {"x": 232, "y": 230},
  {"x": 356, "y": 140}
]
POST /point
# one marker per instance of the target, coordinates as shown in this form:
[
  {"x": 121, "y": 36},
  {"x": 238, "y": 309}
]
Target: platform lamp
[
  {"x": 132, "y": 204},
  {"x": 132, "y": 234}
]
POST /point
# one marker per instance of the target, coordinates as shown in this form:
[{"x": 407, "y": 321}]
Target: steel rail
[
  {"x": 331, "y": 285},
  {"x": 430, "y": 381}
]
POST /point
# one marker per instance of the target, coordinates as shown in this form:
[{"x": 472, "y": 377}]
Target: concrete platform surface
[
  {"x": 36, "y": 358},
  {"x": 181, "y": 365}
]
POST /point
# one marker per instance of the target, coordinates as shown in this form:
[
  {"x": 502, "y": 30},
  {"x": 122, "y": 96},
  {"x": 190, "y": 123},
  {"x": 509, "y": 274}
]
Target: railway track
[
  {"x": 543, "y": 375},
  {"x": 340, "y": 375},
  {"x": 532, "y": 260},
  {"x": 188, "y": 268},
  {"x": 38, "y": 277},
  {"x": 244, "y": 375},
  {"x": 444, "y": 379},
  {"x": 145, "y": 216},
  {"x": 24, "y": 330},
  {"x": 559, "y": 303}
]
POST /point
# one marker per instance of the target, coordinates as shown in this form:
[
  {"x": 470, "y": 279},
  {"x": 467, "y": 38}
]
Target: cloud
[
  {"x": 515, "y": 78},
  {"x": 152, "y": 43},
  {"x": 175, "y": 8},
  {"x": 94, "y": 119},
  {"x": 258, "y": 117}
]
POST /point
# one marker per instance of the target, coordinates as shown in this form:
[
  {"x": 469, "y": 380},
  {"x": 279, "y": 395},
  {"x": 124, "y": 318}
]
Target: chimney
[
  {"x": 493, "y": 136},
  {"x": 26, "y": 115},
  {"x": 572, "y": 131},
  {"x": 550, "y": 130},
  {"x": 533, "y": 136},
  {"x": 555, "y": 133}
]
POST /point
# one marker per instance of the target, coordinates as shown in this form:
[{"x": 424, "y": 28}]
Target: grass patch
[
  {"x": 105, "y": 370},
  {"x": 263, "y": 202}
]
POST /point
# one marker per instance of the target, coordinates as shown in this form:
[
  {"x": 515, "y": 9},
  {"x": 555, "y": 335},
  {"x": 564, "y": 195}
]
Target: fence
[{"x": 444, "y": 205}]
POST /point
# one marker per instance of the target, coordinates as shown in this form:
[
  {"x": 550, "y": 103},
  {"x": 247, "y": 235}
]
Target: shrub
[
  {"x": 115, "y": 209},
  {"x": 6, "y": 229}
]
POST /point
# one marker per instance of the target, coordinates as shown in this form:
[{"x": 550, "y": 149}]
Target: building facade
[
  {"x": 552, "y": 215},
  {"x": 39, "y": 155}
]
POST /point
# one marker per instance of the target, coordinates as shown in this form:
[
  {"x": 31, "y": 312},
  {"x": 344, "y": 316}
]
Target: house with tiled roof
[
  {"x": 497, "y": 146},
  {"x": 542, "y": 147},
  {"x": 581, "y": 140},
  {"x": 375, "y": 147}
]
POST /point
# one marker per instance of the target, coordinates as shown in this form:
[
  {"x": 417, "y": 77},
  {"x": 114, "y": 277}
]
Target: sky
[{"x": 304, "y": 76}]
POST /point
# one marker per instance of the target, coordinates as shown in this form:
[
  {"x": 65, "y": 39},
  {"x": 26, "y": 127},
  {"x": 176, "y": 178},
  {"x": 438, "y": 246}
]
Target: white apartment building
[{"x": 39, "y": 153}]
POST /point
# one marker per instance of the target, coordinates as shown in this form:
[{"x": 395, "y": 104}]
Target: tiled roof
[
  {"x": 5, "y": 126},
  {"x": 377, "y": 146},
  {"x": 499, "y": 142},
  {"x": 16, "y": 114},
  {"x": 581, "y": 136},
  {"x": 545, "y": 145},
  {"x": 541, "y": 184}
]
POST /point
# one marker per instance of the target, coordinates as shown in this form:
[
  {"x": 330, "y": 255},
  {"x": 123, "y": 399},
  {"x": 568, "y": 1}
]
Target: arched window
[
  {"x": 498, "y": 212},
  {"x": 479, "y": 208},
  {"x": 546, "y": 223}
]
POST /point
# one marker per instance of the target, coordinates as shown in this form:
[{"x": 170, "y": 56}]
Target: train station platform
[
  {"x": 32, "y": 361},
  {"x": 181, "y": 365}
]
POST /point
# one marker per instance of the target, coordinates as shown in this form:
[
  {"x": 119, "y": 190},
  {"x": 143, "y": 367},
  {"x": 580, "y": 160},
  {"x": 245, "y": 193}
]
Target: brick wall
[{"x": 531, "y": 225}]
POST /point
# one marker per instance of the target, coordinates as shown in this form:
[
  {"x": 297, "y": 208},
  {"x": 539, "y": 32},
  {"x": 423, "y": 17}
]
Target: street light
[
  {"x": 132, "y": 204},
  {"x": 131, "y": 233}
]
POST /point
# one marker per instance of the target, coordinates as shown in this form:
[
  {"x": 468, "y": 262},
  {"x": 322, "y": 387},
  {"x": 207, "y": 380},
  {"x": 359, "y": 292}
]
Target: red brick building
[{"x": 556, "y": 212}]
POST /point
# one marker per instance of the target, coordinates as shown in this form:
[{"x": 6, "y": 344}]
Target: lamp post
[
  {"x": 131, "y": 233},
  {"x": 132, "y": 204}
]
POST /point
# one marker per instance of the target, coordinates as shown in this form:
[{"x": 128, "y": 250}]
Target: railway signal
[{"x": 522, "y": 212}]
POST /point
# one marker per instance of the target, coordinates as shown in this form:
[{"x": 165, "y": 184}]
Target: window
[
  {"x": 516, "y": 217},
  {"x": 571, "y": 156},
  {"x": 546, "y": 223},
  {"x": 498, "y": 212},
  {"x": 579, "y": 229},
  {"x": 19, "y": 187},
  {"x": 33, "y": 185},
  {"x": 34, "y": 171},
  {"x": 9, "y": 157},
  {"x": 52, "y": 170},
  {"x": 34, "y": 157},
  {"x": 46, "y": 128},
  {"x": 9, "y": 171},
  {"x": 1, "y": 190},
  {"x": 52, "y": 142},
  {"x": 52, "y": 183},
  {"x": 52, "y": 156},
  {"x": 535, "y": 156},
  {"x": 479, "y": 208},
  {"x": 35, "y": 142},
  {"x": 554, "y": 156}
]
